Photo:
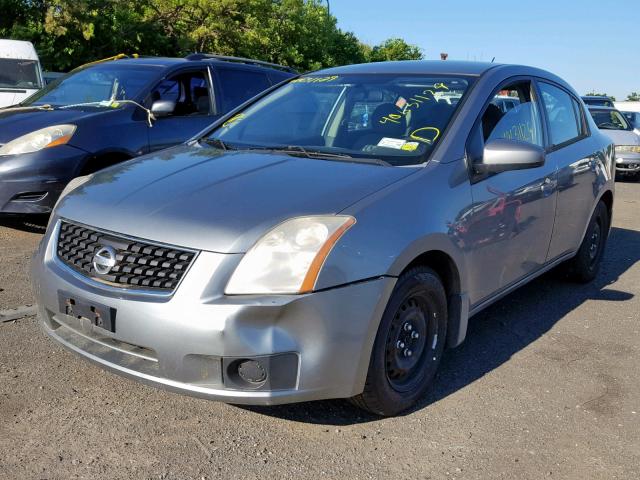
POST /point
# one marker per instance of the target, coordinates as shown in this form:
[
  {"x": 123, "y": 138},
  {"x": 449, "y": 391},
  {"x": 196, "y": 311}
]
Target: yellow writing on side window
[
  {"x": 234, "y": 119},
  {"x": 315, "y": 79},
  {"x": 523, "y": 132}
]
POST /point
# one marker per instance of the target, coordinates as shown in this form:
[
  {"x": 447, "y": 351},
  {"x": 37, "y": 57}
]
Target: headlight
[
  {"x": 289, "y": 257},
  {"x": 43, "y": 138},
  {"x": 627, "y": 148}
]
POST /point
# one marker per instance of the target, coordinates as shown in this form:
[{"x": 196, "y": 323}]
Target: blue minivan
[{"x": 107, "y": 112}]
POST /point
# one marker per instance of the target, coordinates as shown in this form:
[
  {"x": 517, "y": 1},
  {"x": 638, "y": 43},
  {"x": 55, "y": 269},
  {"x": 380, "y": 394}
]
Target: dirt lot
[{"x": 546, "y": 385}]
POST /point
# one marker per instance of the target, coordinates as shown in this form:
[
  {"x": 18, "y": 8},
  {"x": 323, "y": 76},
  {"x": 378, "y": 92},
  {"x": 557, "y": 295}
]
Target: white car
[
  {"x": 20, "y": 71},
  {"x": 616, "y": 126}
]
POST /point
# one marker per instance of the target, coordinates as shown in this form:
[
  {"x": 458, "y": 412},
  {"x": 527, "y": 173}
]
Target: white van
[{"x": 20, "y": 71}]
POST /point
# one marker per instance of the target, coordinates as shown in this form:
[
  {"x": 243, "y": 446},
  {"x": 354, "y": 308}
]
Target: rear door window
[
  {"x": 238, "y": 86},
  {"x": 564, "y": 126}
]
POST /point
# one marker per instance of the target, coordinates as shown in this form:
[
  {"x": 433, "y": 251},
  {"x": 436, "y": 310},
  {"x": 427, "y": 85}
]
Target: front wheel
[
  {"x": 408, "y": 346},
  {"x": 585, "y": 265}
]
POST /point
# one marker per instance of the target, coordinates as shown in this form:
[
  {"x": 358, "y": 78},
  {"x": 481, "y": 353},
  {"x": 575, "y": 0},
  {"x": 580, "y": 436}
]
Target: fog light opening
[{"x": 252, "y": 372}]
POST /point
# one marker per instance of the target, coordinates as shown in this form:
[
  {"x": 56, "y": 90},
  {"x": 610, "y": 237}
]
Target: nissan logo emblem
[{"x": 104, "y": 260}]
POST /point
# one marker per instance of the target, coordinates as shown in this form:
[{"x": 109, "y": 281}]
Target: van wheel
[
  {"x": 585, "y": 265},
  {"x": 408, "y": 346}
]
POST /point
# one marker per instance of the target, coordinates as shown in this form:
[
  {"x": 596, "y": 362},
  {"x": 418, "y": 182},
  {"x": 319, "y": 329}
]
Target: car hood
[
  {"x": 207, "y": 199},
  {"x": 17, "y": 121},
  {"x": 622, "y": 137}
]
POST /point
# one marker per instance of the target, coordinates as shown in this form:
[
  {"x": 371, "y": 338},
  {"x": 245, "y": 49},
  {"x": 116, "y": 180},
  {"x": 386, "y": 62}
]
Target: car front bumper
[
  {"x": 32, "y": 182},
  {"x": 312, "y": 346},
  {"x": 628, "y": 162}
]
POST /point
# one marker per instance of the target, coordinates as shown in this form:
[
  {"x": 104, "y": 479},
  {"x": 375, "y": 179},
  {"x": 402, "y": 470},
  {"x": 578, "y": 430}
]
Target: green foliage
[
  {"x": 394, "y": 49},
  {"x": 299, "y": 33},
  {"x": 633, "y": 97}
]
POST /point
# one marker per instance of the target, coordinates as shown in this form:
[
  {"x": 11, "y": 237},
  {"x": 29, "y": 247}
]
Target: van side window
[
  {"x": 564, "y": 126},
  {"x": 520, "y": 122},
  {"x": 238, "y": 86}
]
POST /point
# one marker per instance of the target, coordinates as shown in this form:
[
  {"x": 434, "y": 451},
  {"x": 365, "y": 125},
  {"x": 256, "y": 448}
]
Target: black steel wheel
[
  {"x": 585, "y": 265},
  {"x": 408, "y": 346}
]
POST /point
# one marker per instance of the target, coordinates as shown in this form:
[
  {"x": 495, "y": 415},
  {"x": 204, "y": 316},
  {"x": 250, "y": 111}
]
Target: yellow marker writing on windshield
[
  {"x": 234, "y": 119},
  {"x": 421, "y": 134},
  {"x": 315, "y": 79}
]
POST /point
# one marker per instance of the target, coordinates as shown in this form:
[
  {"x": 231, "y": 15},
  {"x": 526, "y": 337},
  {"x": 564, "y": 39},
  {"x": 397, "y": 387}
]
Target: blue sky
[{"x": 594, "y": 45}]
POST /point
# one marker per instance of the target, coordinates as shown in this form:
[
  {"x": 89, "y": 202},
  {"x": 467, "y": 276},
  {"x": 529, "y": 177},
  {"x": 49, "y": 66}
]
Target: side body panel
[
  {"x": 507, "y": 230},
  {"x": 584, "y": 170}
]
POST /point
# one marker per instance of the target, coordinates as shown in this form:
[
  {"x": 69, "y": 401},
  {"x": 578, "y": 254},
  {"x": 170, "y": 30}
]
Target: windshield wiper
[
  {"x": 217, "y": 143},
  {"x": 311, "y": 153}
]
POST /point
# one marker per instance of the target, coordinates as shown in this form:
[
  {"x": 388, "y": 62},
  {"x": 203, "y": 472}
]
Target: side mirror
[
  {"x": 163, "y": 108},
  {"x": 501, "y": 155}
]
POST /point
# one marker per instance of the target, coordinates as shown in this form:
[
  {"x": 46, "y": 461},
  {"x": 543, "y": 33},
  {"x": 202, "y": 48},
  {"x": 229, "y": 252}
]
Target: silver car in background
[
  {"x": 627, "y": 143},
  {"x": 331, "y": 238},
  {"x": 634, "y": 120}
]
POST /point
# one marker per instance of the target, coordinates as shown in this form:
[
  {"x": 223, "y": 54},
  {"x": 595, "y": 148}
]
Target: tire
[
  {"x": 408, "y": 346},
  {"x": 585, "y": 265}
]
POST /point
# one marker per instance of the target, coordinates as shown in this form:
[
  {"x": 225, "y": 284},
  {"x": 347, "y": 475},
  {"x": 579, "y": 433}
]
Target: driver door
[{"x": 195, "y": 108}]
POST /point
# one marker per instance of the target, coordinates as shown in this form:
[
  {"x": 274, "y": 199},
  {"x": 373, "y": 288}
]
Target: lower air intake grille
[{"x": 124, "y": 262}]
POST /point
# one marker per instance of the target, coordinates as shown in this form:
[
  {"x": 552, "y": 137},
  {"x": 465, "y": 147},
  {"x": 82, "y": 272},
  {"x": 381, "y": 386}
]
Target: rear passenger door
[
  {"x": 508, "y": 229},
  {"x": 237, "y": 85},
  {"x": 574, "y": 153},
  {"x": 192, "y": 90}
]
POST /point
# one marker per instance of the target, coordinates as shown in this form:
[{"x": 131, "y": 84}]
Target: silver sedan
[{"x": 330, "y": 238}]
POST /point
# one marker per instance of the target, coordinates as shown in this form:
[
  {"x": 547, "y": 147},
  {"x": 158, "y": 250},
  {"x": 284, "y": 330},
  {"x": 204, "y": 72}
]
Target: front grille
[{"x": 138, "y": 264}]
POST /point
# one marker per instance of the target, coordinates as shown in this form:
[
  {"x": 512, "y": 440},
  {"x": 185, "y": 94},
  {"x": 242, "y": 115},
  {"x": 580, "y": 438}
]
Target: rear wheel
[
  {"x": 585, "y": 265},
  {"x": 408, "y": 346}
]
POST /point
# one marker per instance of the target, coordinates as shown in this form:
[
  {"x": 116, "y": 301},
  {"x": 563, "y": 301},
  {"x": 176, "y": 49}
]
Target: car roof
[
  {"x": 437, "y": 67},
  {"x": 167, "y": 62},
  {"x": 597, "y": 97}
]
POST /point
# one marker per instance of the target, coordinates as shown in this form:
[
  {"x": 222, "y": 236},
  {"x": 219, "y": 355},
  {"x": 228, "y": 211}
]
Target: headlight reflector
[
  {"x": 44, "y": 138},
  {"x": 288, "y": 258},
  {"x": 627, "y": 148}
]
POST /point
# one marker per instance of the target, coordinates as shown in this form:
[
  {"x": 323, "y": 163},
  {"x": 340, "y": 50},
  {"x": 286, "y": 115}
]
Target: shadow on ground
[
  {"x": 495, "y": 334},
  {"x": 30, "y": 223}
]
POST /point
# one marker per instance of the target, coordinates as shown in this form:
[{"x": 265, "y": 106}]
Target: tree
[
  {"x": 299, "y": 33},
  {"x": 633, "y": 97},
  {"x": 394, "y": 49}
]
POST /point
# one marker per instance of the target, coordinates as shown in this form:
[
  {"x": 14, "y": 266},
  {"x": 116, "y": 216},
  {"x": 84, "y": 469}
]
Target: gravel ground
[{"x": 546, "y": 385}]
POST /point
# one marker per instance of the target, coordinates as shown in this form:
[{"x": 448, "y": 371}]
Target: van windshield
[
  {"x": 398, "y": 119},
  {"x": 16, "y": 73},
  {"x": 94, "y": 84}
]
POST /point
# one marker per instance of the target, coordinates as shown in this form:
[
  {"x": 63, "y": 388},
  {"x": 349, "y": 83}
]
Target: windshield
[
  {"x": 633, "y": 118},
  {"x": 396, "y": 119},
  {"x": 15, "y": 73},
  {"x": 97, "y": 83},
  {"x": 610, "y": 120}
]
